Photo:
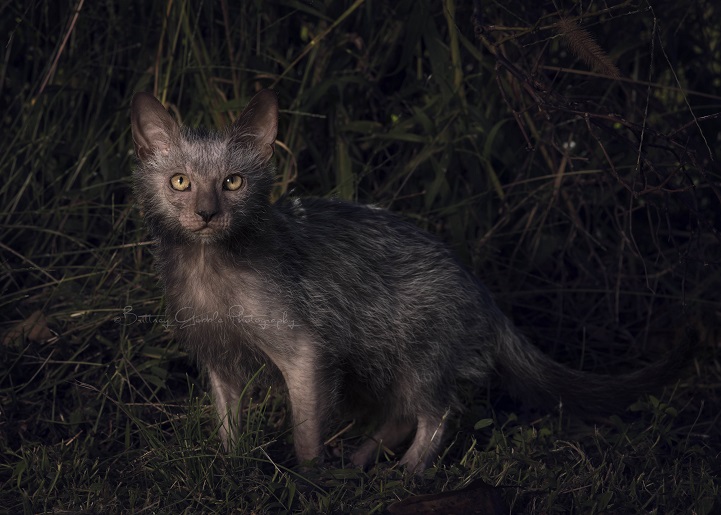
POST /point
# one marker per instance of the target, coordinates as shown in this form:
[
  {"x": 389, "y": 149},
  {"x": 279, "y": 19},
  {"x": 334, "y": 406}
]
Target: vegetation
[{"x": 567, "y": 151}]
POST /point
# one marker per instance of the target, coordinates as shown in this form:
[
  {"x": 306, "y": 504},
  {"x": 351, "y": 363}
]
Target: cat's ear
[
  {"x": 258, "y": 123},
  {"x": 152, "y": 126}
]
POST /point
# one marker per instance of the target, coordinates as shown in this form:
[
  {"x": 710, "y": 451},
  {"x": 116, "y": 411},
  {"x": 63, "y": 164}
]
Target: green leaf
[{"x": 484, "y": 422}]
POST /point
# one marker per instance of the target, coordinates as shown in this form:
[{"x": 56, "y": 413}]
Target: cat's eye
[
  {"x": 232, "y": 182},
  {"x": 180, "y": 182}
]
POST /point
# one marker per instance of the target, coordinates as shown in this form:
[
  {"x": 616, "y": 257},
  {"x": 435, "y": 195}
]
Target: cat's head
[{"x": 201, "y": 186}]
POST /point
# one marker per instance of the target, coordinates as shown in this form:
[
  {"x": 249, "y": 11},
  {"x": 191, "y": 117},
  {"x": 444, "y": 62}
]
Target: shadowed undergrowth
[{"x": 569, "y": 157}]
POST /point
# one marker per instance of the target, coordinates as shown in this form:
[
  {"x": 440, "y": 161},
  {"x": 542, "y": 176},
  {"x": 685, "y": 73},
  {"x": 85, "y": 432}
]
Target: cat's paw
[{"x": 365, "y": 454}]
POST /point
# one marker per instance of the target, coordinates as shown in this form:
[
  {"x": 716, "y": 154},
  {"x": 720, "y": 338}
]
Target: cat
[{"x": 355, "y": 310}]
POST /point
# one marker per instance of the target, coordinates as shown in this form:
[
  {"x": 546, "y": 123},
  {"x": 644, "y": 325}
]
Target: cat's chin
[{"x": 205, "y": 235}]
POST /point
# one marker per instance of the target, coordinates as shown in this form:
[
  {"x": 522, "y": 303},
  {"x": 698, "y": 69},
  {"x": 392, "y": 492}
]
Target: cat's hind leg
[
  {"x": 426, "y": 443},
  {"x": 391, "y": 434}
]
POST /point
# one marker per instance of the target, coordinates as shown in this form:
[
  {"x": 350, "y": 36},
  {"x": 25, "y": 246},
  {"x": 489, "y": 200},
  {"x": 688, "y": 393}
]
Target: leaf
[
  {"x": 485, "y": 422},
  {"x": 478, "y": 497},
  {"x": 362, "y": 126},
  {"x": 34, "y": 329}
]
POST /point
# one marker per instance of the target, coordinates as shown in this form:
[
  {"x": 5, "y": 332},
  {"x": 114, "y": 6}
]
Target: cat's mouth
[
  {"x": 201, "y": 230},
  {"x": 205, "y": 231}
]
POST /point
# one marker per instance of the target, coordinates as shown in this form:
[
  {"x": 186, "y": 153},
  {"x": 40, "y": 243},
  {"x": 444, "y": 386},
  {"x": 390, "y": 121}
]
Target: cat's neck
[
  {"x": 250, "y": 245},
  {"x": 205, "y": 253}
]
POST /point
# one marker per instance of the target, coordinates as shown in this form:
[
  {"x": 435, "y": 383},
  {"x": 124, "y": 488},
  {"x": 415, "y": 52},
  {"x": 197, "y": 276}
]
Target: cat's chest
[
  {"x": 203, "y": 288},
  {"x": 230, "y": 316}
]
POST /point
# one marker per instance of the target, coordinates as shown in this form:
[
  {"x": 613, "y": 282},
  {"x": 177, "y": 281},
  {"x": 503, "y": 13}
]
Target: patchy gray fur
[{"x": 352, "y": 308}]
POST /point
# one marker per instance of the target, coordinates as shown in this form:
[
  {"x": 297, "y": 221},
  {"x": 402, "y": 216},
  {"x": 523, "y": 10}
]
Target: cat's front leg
[
  {"x": 226, "y": 398},
  {"x": 301, "y": 377}
]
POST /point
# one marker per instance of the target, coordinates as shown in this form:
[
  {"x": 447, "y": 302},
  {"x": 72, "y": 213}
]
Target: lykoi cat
[{"x": 385, "y": 321}]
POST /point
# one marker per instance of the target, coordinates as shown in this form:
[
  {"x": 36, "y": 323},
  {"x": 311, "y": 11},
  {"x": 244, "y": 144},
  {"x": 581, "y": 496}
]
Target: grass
[{"x": 590, "y": 206}]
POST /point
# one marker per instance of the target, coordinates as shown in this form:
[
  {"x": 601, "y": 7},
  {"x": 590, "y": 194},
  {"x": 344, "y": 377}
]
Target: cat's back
[
  {"x": 379, "y": 257},
  {"x": 358, "y": 228},
  {"x": 383, "y": 290}
]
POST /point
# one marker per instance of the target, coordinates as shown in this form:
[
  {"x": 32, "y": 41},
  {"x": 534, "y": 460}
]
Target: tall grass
[{"x": 588, "y": 203}]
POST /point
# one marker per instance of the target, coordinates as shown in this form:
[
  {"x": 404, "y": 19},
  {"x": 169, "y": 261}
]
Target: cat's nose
[{"x": 205, "y": 215}]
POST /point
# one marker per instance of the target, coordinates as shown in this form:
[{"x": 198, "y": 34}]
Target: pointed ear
[
  {"x": 258, "y": 123},
  {"x": 154, "y": 130}
]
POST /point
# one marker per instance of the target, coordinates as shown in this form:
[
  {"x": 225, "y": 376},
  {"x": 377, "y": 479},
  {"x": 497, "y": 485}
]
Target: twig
[{"x": 61, "y": 48}]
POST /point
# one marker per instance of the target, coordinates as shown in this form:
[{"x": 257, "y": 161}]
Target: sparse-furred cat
[{"x": 355, "y": 310}]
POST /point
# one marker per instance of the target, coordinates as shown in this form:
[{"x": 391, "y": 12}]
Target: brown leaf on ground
[
  {"x": 477, "y": 498},
  {"x": 34, "y": 328}
]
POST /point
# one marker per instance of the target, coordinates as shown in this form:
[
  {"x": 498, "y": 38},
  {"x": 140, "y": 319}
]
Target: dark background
[{"x": 567, "y": 151}]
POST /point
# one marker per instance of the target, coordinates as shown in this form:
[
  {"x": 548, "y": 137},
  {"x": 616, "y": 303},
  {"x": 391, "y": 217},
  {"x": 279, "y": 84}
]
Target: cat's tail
[{"x": 531, "y": 375}]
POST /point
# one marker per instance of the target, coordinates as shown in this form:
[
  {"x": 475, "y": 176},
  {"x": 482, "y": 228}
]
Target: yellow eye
[
  {"x": 180, "y": 182},
  {"x": 232, "y": 182}
]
